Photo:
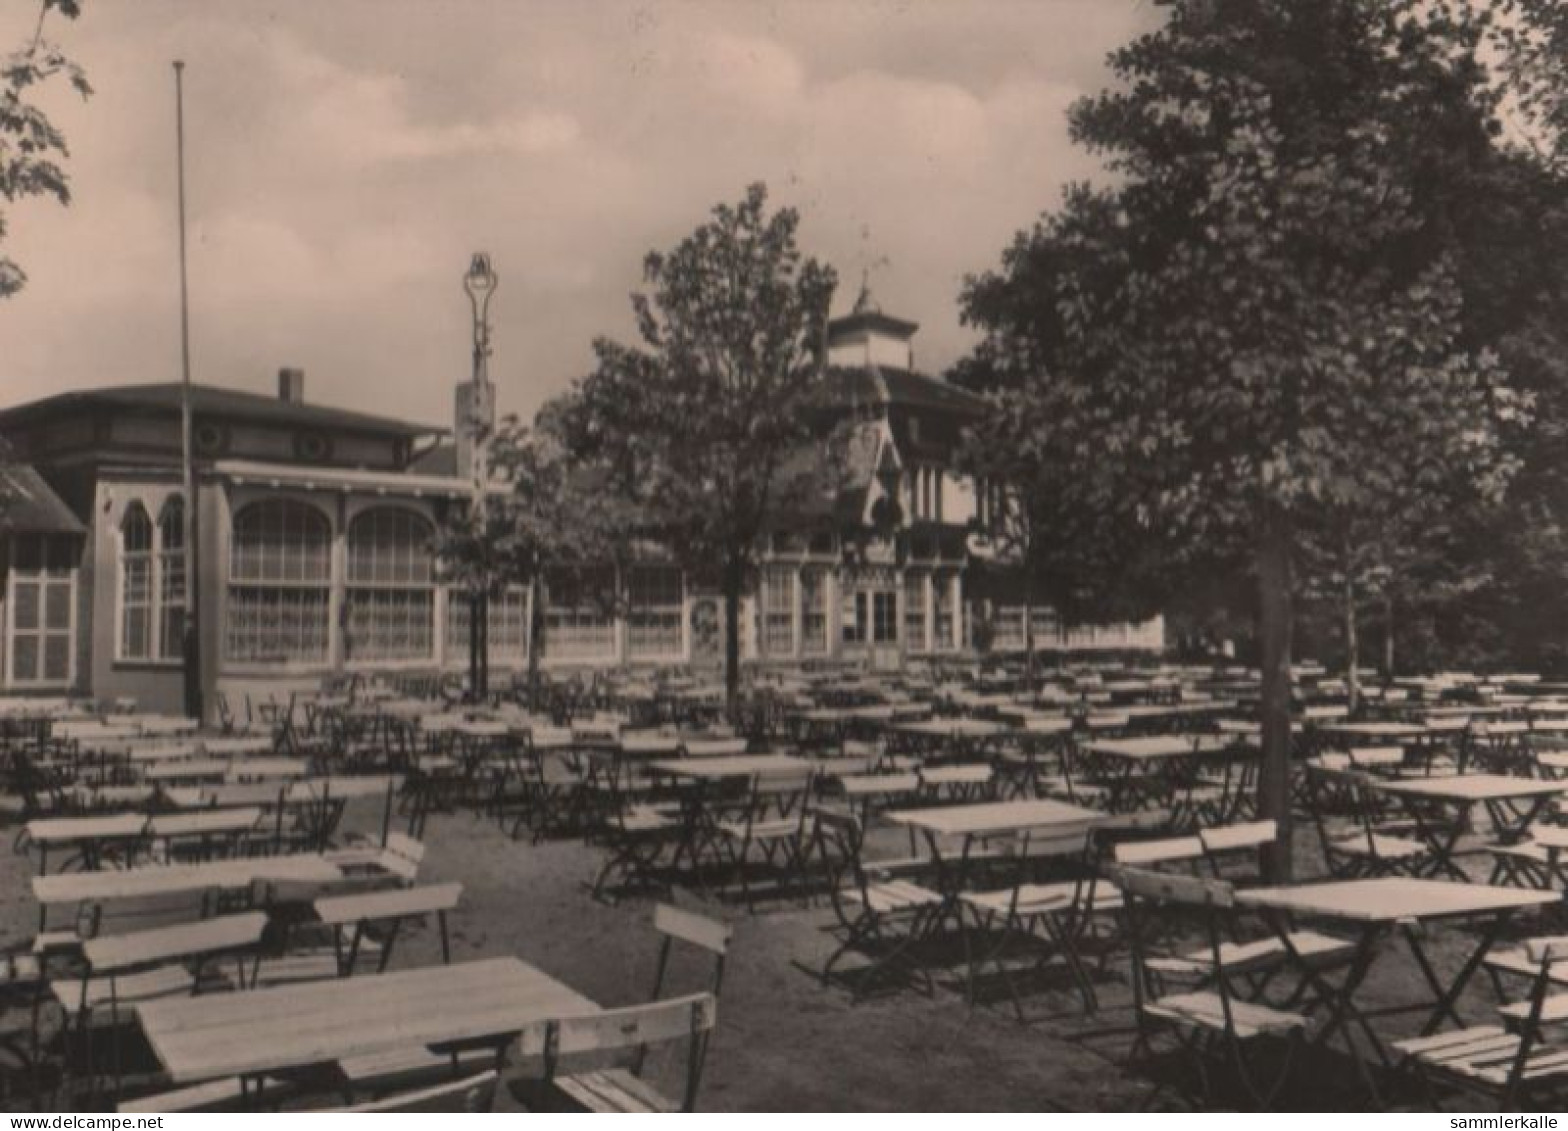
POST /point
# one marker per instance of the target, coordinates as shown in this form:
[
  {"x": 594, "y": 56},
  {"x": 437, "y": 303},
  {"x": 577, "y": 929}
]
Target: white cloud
[{"x": 345, "y": 159}]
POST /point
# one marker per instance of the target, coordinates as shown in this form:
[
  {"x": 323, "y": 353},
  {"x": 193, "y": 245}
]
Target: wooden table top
[
  {"x": 1473, "y": 787},
  {"x": 204, "y": 822},
  {"x": 116, "y": 826},
  {"x": 185, "y": 940},
  {"x": 713, "y": 747},
  {"x": 954, "y": 728},
  {"x": 994, "y": 818},
  {"x": 186, "y": 769},
  {"x": 1377, "y": 730},
  {"x": 739, "y": 766},
  {"x": 239, "y": 744},
  {"x": 211, "y": 1035},
  {"x": 344, "y": 787},
  {"x": 168, "y": 879},
  {"x": 1162, "y": 745},
  {"x": 1391, "y": 898}
]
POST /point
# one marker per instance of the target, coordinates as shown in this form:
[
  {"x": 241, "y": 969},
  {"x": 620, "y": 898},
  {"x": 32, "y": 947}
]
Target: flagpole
[{"x": 190, "y": 638}]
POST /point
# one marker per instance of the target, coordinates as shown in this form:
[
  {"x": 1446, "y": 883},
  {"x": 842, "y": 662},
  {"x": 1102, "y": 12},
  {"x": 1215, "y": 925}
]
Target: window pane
[
  {"x": 24, "y": 658},
  {"x": 813, "y": 611},
  {"x": 278, "y": 624},
  {"x": 57, "y": 657},
  {"x": 280, "y": 540},
  {"x": 654, "y": 619},
  {"x": 915, "y": 611},
  {"x": 28, "y": 601},
  {"x": 578, "y": 624},
  {"x": 57, "y": 605},
  {"x": 942, "y": 610},
  {"x": 390, "y": 624},
  {"x": 778, "y": 611},
  {"x": 884, "y": 622}
]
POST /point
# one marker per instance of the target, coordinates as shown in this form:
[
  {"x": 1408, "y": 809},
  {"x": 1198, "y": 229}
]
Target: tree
[
  {"x": 1268, "y": 293},
  {"x": 701, "y": 423},
  {"x": 549, "y": 516},
  {"x": 32, "y": 148},
  {"x": 1076, "y": 548}
]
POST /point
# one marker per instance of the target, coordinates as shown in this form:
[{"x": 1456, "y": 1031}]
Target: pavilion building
[{"x": 314, "y": 531}]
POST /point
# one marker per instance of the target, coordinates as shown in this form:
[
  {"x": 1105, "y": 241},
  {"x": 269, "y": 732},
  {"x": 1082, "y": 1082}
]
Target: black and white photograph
[{"x": 783, "y": 555}]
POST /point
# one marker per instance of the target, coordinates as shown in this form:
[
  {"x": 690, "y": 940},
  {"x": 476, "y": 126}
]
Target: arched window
[
  {"x": 391, "y": 586},
  {"x": 280, "y": 583},
  {"x": 136, "y": 584},
  {"x": 171, "y": 579}
]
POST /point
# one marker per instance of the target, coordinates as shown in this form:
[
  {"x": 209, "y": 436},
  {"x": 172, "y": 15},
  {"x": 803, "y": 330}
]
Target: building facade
[{"x": 314, "y": 530}]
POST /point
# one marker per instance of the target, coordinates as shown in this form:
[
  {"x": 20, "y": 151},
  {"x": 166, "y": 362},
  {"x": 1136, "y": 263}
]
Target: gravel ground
[{"x": 785, "y": 1041}]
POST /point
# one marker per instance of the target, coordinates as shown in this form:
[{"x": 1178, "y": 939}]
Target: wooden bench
[{"x": 362, "y": 910}]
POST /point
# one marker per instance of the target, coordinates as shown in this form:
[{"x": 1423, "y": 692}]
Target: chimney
[{"x": 291, "y": 386}]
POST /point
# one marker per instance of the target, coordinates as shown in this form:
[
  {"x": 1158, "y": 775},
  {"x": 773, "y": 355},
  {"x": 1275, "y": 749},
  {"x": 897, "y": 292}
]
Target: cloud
[{"x": 346, "y": 158}]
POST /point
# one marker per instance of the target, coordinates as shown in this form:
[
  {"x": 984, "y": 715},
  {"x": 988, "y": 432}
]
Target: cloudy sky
[{"x": 346, "y": 156}]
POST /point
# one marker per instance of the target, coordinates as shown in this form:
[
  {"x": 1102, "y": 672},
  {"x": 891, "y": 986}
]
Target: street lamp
[{"x": 480, "y": 283}]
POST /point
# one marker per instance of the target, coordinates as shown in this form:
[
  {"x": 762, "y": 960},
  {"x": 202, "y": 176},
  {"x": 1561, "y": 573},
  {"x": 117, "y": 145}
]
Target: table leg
[
  {"x": 1340, "y": 1000},
  {"x": 1446, "y": 999}
]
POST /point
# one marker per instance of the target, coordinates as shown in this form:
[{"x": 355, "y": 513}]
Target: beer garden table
[
  {"x": 263, "y": 1031},
  {"x": 971, "y": 823},
  {"x": 1512, "y": 804},
  {"x": 1375, "y": 909}
]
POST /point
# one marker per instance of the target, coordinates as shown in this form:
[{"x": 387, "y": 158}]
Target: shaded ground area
[{"x": 787, "y": 1042}]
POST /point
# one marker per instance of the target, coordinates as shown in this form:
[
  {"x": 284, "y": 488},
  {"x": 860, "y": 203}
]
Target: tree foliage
[
  {"x": 32, "y": 148},
  {"x": 548, "y": 518},
  {"x": 1259, "y": 323},
  {"x": 700, "y": 424}
]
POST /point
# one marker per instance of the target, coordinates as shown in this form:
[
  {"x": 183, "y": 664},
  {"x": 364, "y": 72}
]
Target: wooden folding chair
[
  {"x": 122, "y": 971},
  {"x": 1534, "y": 863},
  {"x": 1356, "y": 842},
  {"x": 1209, "y": 1022},
  {"x": 885, "y": 916},
  {"x": 1515, "y": 1068},
  {"x": 690, "y": 1019},
  {"x": 1044, "y": 909},
  {"x": 771, "y": 829}
]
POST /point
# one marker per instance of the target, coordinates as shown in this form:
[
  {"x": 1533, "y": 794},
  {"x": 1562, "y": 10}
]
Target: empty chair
[
  {"x": 1208, "y": 1020},
  {"x": 1044, "y": 910},
  {"x": 879, "y": 914},
  {"x": 1512, "y": 1067},
  {"x": 617, "y": 1031}
]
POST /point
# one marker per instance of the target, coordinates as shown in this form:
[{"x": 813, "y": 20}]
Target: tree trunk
[
  {"x": 1388, "y": 638},
  {"x": 536, "y": 599},
  {"x": 484, "y": 648},
  {"x": 1275, "y": 615},
  {"x": 1029, "y": 631},
  {"x": 476, "y": 612},
  {"x": 1352, "y": 649},
  {"x": 732, "y": 580}
]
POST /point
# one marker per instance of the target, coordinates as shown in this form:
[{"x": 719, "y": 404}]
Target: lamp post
[{"x": 478, "y": 418}]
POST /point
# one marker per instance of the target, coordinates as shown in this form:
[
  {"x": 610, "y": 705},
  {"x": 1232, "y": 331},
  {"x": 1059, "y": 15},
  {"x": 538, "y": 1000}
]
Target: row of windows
[
  {"x": 281, "y": 599},
  {"x": 280, "y": 596}
]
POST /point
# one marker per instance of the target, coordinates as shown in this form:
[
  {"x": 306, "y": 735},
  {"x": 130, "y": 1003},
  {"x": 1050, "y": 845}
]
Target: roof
[
  {"x": 210, "y": 400},
  {"x": 390, "y": 482},
  {"x": 882, "y": 384},
  {"x": 872, "y": 320},
  {"x": 439, "y": 460},
  {"x": 29, "y": 506}
]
